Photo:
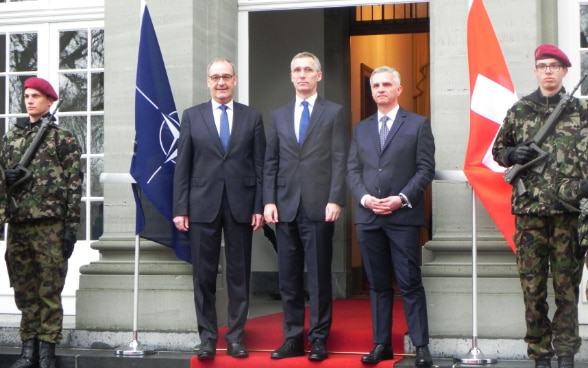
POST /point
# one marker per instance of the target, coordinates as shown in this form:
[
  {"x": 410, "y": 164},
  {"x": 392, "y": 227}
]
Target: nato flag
[{"x": 157, "y": 130}]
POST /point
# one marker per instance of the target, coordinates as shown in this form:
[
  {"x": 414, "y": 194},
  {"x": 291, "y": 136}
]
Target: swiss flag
[{"x": 491, "y": 95}]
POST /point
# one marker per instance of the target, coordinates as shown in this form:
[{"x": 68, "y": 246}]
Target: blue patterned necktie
[
  {"x": 304, "y": 118},
  {"x": 383, "y": 130},
  {"x": 224, "y": 133}
]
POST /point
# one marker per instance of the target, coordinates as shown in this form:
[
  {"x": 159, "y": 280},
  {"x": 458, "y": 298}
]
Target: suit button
[{"x": 379, "y": 169}]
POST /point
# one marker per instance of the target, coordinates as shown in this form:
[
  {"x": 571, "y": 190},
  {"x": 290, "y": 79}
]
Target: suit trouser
[
  {"x": 205, "y": 239},
  {"x": 386, "y": 247},
  {"x": 312, "y": 241}
]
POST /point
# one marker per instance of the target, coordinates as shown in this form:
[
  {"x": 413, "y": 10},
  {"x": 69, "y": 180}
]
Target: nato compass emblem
[{"x": 169, "y": 133}]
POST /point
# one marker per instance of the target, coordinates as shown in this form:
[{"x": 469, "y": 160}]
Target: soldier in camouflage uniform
[
  {"x": 43, "y": 217},
  {"x": 546, "y": 230}
]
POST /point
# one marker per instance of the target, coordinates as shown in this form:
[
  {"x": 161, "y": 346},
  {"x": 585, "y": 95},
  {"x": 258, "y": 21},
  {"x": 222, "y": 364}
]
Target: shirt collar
[
  {"x": 311, "y": 100},
  {"x": 215, "y": 105},
  {"x": 391, "y": 114}
]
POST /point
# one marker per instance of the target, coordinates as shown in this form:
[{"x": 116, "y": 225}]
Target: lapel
[
  {"x": 289, "y": 121},
  {"x": 237, "y": 128},
  {"x": 374, "y": 132},
  {"x": 396, "y": 125},
  {"x": 211, "y": 127}
]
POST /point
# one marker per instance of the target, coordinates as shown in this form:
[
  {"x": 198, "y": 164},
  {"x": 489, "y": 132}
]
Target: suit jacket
[
  {"x": 405, "y": 165},
  {"x": 312, "y": 173},
  {"x": 204, "y": 170}
]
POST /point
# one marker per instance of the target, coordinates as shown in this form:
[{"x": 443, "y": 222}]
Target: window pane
[
  {"x": 584, "y": 69},
  {"x": 97, "y": 221},
  {"x": 98, "y": 48},
  {"x": 84, "y": 191},
  {"x": 2, "y": 53},
  {"x": 77, "y": 126},
  {"x": 82, "y": 227},
  {"x": 97, "y": 91},
  {"x": 584, "y": 26},
  {"x": 97, "y": 139},
  {"x": 73, "y": 89},
  {"x": 73, "y": 46},
  {"x": 16, "y": 92},
  {"x": 2, "y": 94},
  {"x": 2, "y": 131},
  {"x": 23, "y": 52},
  {"x": 96, "y": 167}
]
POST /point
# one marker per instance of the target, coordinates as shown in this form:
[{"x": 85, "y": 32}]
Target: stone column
[{"x": 190, "y": 34}]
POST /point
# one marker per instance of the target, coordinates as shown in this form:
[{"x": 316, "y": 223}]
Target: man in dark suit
[
  {"x": 391, "y": 162},
  {"x": 218, "y": 189},
  {"x": 303, "y": 192}
]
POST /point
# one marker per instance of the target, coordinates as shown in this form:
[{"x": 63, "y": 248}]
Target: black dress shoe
[
  {"x": 423, "y": 357},
  {"x": 318, "y": 352},
  {"x": 237, "y": 350},
  {"x": 543, "y": 363},
  {"x": 565, "y": 361},
  {"x": 379, "y": 352},
  {"x": 207, "y": 350},
  {"x": 292, "y": 347}
]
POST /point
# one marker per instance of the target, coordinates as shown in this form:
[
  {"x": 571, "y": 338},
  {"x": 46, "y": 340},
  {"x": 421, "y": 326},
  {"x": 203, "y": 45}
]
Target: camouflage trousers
[
  {"x": 37, "y": 270},
  {"x": 544, "y": 243}
]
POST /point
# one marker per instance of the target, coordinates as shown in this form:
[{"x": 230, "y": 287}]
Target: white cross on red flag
[{"x": 491, "y": 95}]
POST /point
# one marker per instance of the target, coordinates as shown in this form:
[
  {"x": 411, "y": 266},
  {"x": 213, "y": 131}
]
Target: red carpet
[{"x": 350, "y": 338}]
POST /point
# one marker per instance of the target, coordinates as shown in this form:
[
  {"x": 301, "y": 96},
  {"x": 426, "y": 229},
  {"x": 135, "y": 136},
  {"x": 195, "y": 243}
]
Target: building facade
[{"x": 261, "y": 37}]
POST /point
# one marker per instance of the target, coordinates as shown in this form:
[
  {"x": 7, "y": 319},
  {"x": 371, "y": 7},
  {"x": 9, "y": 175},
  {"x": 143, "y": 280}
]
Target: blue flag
[{"x": 157, "y": 130}]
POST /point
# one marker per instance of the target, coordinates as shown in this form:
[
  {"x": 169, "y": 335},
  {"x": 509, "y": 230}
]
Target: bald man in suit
[
  {"x": 303, "y": 192},
  {"x": 391, "y": 163},
  {"x": 218, "y": 190}
]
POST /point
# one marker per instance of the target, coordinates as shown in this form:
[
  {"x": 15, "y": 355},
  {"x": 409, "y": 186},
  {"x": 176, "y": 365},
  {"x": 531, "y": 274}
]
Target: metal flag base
[
  {"x": 133, "y": 349},
  {"x": 475, "y": 357}
]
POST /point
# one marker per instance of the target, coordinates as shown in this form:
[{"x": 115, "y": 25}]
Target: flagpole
[
  {"x": 475, "y": 355},
  {"x": 134, "y": 347}
]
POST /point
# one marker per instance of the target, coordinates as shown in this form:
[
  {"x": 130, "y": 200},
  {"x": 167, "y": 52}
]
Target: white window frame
[{"x": 569, "y": 38}]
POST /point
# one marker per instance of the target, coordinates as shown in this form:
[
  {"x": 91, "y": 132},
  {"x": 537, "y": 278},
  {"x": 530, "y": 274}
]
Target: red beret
[
  {"x": 42, "y": 86},
  {"x": 546, "y": 51}
]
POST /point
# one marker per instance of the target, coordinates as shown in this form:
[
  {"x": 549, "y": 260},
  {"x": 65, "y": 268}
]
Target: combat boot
[
  {"x": 47, "y": 355},
  {"x": 565, "y": 361},
  {"x": 543, "y": 363},
  {"x": 29, "y": 356}
]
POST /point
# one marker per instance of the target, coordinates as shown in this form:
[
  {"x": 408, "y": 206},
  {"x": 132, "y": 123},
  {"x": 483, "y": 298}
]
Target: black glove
[
  {"x": 522, "y": 154},
  {"x": 584, "y": 187},
  {"x": 12, "y": 175},
  {"x": 69, "y": 240}
]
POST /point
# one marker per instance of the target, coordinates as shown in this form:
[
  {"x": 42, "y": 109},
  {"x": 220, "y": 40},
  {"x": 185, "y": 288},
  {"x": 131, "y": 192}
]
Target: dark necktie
[
  {"x": 304, "y": 118},
  {"x": 224, "y": 133},
  {"x": 383, "y": 130}
]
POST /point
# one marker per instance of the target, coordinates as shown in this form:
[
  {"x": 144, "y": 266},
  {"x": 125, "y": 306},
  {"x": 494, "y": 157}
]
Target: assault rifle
[
  {"x": 512, "y": 174},
  {"x": 27, "y": 157}
]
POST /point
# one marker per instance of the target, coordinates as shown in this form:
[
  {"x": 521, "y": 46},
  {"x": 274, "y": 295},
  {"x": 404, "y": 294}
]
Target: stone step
[{"x": 94, "y": 358}]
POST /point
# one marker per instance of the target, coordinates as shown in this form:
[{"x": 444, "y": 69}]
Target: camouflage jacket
[
  {"x": 55, "y": 189},
  {"x": 565, "y": 154}
]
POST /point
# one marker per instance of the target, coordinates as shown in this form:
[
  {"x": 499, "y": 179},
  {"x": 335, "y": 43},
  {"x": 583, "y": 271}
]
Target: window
[
  {"x": 81, "y": 86},
  {"x": 583, "y": 45},
  {"x": 573, "y": 40},
  {"x": 77, "y": 51}
]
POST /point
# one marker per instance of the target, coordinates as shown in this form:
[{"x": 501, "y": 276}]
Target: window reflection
[
  {"x": 584, "y": 45},
  {"x": 23, "y": 52},
  {"x": 73, "y": 50},
  {"x": 97, "y": 89},
  {"x": 73, "y": 89},
  {"x": 98, "y": 48},
  {"x": 97, "y": 132}
]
